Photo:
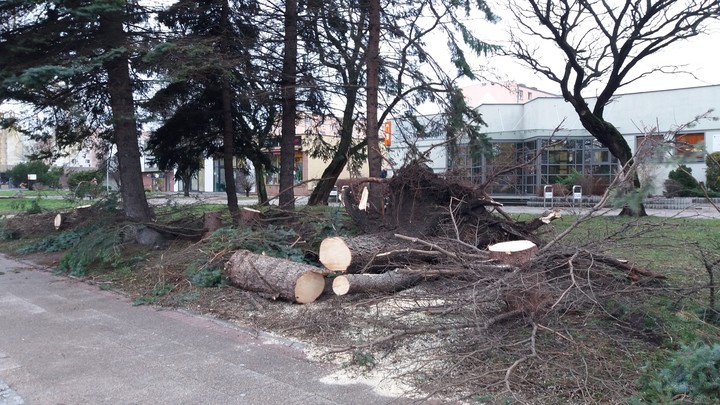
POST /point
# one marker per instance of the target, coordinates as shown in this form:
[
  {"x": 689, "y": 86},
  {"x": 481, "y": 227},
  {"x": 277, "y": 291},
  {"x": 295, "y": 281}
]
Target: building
[
  {"x": 309, "y": 130},
  {"x": 546, "y": 132}
]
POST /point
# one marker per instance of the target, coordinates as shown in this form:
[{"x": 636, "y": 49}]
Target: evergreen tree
[
  {"x": 216, "y": 102},
  {"x": 70, "y": 61}
]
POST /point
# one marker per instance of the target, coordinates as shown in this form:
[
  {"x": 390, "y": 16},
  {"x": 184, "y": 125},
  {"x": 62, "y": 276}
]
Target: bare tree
[{"x": 603, "y": 44}]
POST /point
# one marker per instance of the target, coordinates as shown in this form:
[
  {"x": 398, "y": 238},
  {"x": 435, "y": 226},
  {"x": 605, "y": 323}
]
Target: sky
[{"x": 696, "y": 55}]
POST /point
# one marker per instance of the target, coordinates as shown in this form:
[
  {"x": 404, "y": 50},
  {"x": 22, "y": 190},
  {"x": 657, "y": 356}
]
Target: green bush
[
  {"x": 82, "y": 184},
  {"x": 49, "y": 176},
  {"x": 75, "y": 178},
  {"x": 713, "y": 171},
  {"x": 681, "y": 183},
  {"x": 692, "y": 373}
]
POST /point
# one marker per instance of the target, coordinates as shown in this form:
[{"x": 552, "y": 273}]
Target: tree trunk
[
  {"x": 260, "y": 189},
  {"x": 289, "y": 105},
  {"x": 187, "y": 182},
  {"x": 373, "y": 70},
  {"x": 514, "y": 253},
  {"x": 227, "y": 119},
  {"x": 388, "y": 282},
  {"x": 275, "y": 277},
  {"x": 612, "y": 139},
  {"x": 229, "y": 151},
  {"x": 124, "y": 122},
  {"x": 370, "y": 253}
]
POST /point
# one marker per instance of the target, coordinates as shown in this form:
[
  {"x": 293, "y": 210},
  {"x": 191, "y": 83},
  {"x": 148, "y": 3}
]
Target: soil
[{"x": 437, "y": 340}]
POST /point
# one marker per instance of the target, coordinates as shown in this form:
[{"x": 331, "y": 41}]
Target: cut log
[
  {"x": 276, "y": 277},
  {"x": 370, "y": 253},
  {"x": 388, "y": 282},
  {"x": 515, "y": 253},
  {"x": 58, "y": 221}
]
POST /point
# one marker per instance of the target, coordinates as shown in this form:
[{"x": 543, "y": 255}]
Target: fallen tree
[{"x": 274, "y": 277}]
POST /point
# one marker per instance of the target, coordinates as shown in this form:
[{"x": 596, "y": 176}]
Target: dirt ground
[{"x": 458, "y": 339}]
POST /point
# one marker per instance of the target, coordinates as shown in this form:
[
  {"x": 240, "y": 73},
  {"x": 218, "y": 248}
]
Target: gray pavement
[{"x": 66, "y": 342}]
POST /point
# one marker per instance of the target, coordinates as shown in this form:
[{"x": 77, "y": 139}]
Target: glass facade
[{"x": 523, "y": 168}]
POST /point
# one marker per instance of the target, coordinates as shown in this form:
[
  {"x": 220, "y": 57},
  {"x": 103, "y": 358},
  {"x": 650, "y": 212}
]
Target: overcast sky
[{"x": 698, "y": 55}]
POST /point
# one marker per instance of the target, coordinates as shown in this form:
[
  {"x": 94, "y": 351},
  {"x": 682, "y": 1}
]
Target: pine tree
[{"x": 70, "y": 61}]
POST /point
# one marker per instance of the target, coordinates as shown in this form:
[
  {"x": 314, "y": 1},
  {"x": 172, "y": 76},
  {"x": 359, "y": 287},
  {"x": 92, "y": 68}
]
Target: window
[
  {"x": 649, "y": 147},
  {"x": 530, "y": 95},
  {"x": 690, "y": 145}
]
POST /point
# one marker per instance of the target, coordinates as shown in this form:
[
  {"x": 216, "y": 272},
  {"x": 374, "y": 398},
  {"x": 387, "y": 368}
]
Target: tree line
[{"x": 217, "y": 77}]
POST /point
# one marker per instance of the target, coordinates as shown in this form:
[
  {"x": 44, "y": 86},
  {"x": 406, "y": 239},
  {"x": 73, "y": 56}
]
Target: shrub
[
  {"x": 681, "y": 183},
  {"x": 81, "y": 183},
  {"x": 692, "y": 373},
  {"x": 713, "y": 171},
  {"x": 49, "y": 176}
]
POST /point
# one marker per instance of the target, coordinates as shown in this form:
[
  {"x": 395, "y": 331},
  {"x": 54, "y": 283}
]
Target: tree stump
[
  {"x": 388, "y": 282},
  {"x": 276, "y": 277},
  {"x": 211, "y": 222},
  {"x": 515, "y": 253},
  {"x": 249, "y": 214}
]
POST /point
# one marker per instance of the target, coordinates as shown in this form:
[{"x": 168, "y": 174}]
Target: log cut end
[
  {"x": 515, "y": 252},
  {"x": 335, "y": 254},
  {"x": 58, "y": 221},
  {"x": 309, "y": 287},
  {"x": 341, "y": 285}
]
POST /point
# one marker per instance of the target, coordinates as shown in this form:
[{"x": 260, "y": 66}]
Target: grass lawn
[
  {"x": 21, "y": 205},
  {"x": 32, "y": 193}
]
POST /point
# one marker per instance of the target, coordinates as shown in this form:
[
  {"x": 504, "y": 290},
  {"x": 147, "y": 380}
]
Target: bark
[
  {"x": 211, "y": 222},
  {"x": 275, "y": 277},
  {"x": 373, "y": 141},
  {"x": 228, "y": 152},
  {"x": 260, "y": 189},
  {"x": 124, "y": 122},
  {"x": 289, "y": 105},
  {"x": 249, "y": 215},
  {"x": 388, "y": 282},
  {"x": 514, "y": 253},
  {"x": 228, "y": 127},
  {"x": 370, "y": 253}
]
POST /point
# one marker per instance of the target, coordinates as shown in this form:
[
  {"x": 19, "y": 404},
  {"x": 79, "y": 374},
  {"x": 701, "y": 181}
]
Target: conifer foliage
[{"x": 70, "y": 61}]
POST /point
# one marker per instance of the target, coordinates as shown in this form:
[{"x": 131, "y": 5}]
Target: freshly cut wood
[
  {"x": 276, "y": 277},
  {"x": 388, "y": 282},
  {"x": 514, "y": 253},
  {"x": 370, "y": 253},
  {"x": 362, "y": 206},
  {"x": 58, "y": 221},
  {"x": 335, "y": 254}
]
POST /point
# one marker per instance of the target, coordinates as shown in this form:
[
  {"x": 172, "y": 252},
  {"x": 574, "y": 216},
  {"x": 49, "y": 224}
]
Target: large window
[
  {"x": 524, "y": 167},
  {"x": 690, "y": 146}
]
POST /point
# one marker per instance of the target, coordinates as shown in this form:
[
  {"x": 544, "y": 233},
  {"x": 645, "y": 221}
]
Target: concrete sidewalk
[{"x": 65, "y": 342}]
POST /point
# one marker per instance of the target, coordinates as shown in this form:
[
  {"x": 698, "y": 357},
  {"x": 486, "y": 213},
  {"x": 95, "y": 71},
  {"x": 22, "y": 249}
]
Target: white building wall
[{"x": 633, "y": 114}]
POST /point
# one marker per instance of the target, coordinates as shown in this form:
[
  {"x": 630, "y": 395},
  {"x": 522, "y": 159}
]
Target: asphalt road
[{"x": 66, "y": 342}]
